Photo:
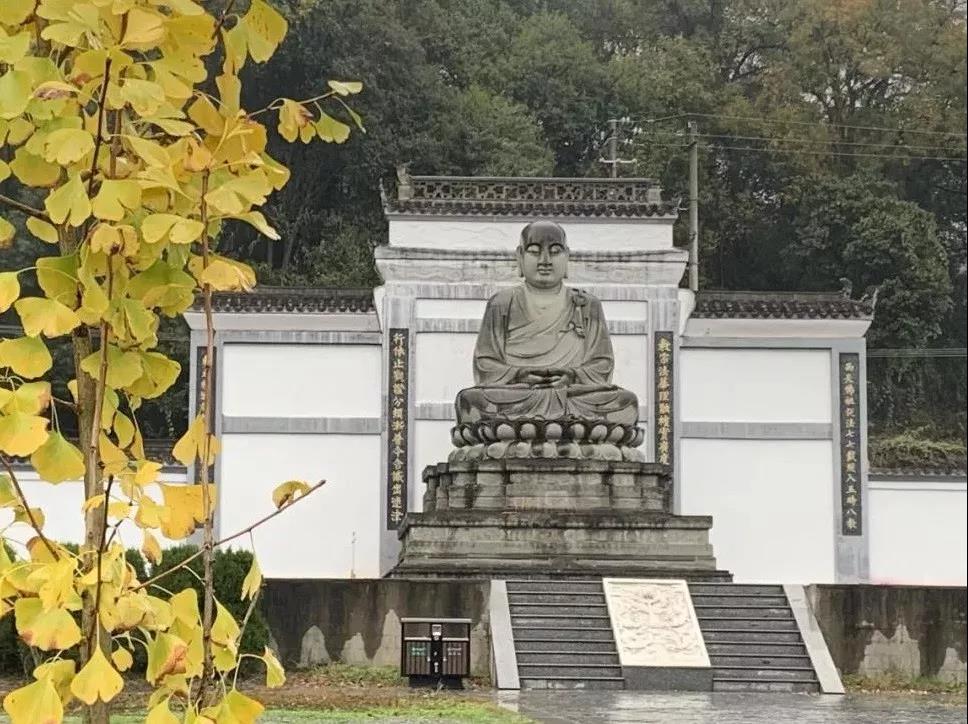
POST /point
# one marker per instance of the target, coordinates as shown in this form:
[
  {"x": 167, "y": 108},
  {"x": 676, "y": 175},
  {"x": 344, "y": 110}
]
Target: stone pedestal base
[{"x": 534, "y": 518}]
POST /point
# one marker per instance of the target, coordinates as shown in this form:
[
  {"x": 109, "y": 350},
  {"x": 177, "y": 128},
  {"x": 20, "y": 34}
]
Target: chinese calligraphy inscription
[
  {"x": 850, "y": 452},
  {"x": 663, "y": 398},
  {"x": 397, "y": 426}
]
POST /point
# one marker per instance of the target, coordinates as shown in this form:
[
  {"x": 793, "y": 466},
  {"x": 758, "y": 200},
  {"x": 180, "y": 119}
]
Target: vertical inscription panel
[
  {"x": 850, "y": 453},
  {"x": 398, "y": 428},
  {"x": 664, "y": 390}
]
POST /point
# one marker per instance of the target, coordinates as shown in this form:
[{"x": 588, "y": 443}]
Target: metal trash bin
[{"x": 435, "y": 651}]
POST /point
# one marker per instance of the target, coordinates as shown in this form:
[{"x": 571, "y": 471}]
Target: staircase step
[
  {"x": 559, "y": 609},
  {"x": 756, "y": 660},
  {"x": 740, "y": 589},
  {"x": 766, "y": 686},
  {"x": 754, "y": 673},
  {"x": 713, "y": 634},
  {"x": 565, "y": 620},
  {"x": 577, "y": 597},
  {"x": 754, "y": 648},
  {"x": 553, "y": 658},
  {"x": 724, "y": 623},
  {"x": 765, "y": 612},
  {"x": 542, "y": 671},
  {"x": 738, "y": 600},
  {"x": 531, "y": 586},
  {"x": 569, "y": 645},
  {"x": 563, "y": 682},
  {"x": 561, "y": 633}
]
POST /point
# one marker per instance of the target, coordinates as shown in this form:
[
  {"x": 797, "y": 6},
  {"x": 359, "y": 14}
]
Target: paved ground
[{"x": 588, "y": 707}]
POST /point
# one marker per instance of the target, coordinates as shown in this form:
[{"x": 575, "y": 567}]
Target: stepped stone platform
[{"x": 553, "y": 518}]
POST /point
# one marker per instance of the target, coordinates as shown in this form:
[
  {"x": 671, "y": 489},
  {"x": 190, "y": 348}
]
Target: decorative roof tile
[
  {"x": 304, "y": 300},
  {"x": 522, "y": 196},
  {"x": 780, "y": 305}
]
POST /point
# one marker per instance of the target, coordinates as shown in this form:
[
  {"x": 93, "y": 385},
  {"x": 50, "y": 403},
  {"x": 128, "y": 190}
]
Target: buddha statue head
[{"x": 543, "y": 255}]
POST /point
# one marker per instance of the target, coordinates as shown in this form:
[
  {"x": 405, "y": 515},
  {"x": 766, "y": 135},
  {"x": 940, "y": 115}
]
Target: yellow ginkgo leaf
[
  {"x": 143, "y": 28},
  {"x": 275, "y": 674},
  {"x": 69, "y": 203},
  {"x": 223, "y": 274},
  {"x": 345, "y": 87},
  {"x": 166, "y": 656},
  {"x": 14, "y": 12},
  {"x": 67, "y": 145},
  {"x": 195, "y": 444},
  {"x": 26, "y": 356},
  {"x": 9, "y": 290},
  {"x": 152, "y": 153},
  {"x": 225, "y": 631},
  {"x": 159, "y": 374},
  {"x": 97, "y": 680},
  {"x": 292, "y": 117},
  {"x": 185, "y": 508},
  {"x": 258, "y": 220},
  {"x": 124, "y": 367},
  {"x": 45, "y": 316},
  {"x": 42, "y": 230},
  {"x": 7, "y": 232},
  {"x": 161, "y": 714},
  {"x": 113, "y": 458},
  {"x": 265, "y": 29},
  {"x": 21, "y": 434},
  {"x": 58, "y": 460},
  {"x": 253, "y": 580},
  {"x": 122, "y": 658},
  {"x": 33, "y": 170},
  {"x": 57, "y": 587},
  {"x": 147, "y": 472},
  {"x": 36, "y": 703},
  {"x": 15, "y": 90},
  {"x": 150, "y": 548},
  {"x": 57, "y": 276},
  {"x": 115, "y": 197},
  {"x": 47, "y": 630},
  {"x": 237, "y": 708},
  {"x": 149, "y": 513},
  {"x": 289, "y": 491},
  {"x": 331, "y": 130},
  {"x": 59, "y": 673}
]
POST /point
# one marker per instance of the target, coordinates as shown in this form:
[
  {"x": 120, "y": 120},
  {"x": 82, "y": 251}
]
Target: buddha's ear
[{"x": 519, "y": 255}]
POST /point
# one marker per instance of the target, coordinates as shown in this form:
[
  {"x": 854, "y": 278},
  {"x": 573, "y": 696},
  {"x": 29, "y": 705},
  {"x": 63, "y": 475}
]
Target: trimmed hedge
[{"x": 908, "y": 451}]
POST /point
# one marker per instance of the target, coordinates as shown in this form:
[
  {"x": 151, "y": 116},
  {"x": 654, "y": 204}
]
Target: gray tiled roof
[{"x": 779, "y": 305}]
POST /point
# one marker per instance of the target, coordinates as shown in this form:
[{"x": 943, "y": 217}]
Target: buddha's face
[{"x": 543, "y": 258}]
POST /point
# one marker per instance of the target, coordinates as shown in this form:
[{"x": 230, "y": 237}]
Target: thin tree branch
[
  {"x": 30, "y": 513},
  {"x": 24, "y": 208},
  {"x": 95, "y": 620},
  {"x": 102, "y": 103},
  {"x": 232, "y": 537},
  {"x": 222, "y": 17}
]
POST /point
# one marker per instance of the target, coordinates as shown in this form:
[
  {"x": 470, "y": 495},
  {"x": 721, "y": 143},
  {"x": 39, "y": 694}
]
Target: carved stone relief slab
[{"x": 654, "y": 623}]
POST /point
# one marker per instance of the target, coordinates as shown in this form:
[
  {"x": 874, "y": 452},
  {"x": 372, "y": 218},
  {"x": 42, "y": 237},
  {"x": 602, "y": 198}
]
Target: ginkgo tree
[{"x": 127, "y": 158}]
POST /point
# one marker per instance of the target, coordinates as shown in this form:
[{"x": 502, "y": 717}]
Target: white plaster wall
[
  {"x": 755, "y": 385},
  {"x": 63, "y": 520},
  {"x": 504, "y": 234},
  {"x": 918, "y": 533},
  {"x": 631, "y": 355},
  {"x": 443, "y": 365},
  {"x": 430, "y": 445},
  {"x": 332, "y": 534},
  {"x": 450, "y": 308},
  {"x": 301, "y": 380},
  {"x": 772, "y": 506}
]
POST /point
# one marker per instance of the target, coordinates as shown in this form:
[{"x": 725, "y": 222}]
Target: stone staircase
[
  {"x": 562, "y": 635},
  {"x": 752, "y": 638}
]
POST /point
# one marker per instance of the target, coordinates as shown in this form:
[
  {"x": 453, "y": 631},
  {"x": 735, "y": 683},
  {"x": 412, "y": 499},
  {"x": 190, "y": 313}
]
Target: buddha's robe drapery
[{"x": 523, "y": 330}]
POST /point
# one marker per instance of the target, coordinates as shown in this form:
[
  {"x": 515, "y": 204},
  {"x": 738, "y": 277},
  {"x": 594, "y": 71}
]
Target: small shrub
[{"x": 909, "y": 451}]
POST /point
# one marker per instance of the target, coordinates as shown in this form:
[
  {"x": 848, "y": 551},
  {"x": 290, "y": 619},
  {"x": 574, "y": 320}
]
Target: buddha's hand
[{"x": 560, "y": 376}]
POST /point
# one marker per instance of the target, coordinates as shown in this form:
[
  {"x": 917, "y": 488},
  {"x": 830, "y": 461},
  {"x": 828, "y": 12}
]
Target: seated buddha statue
[{"x": 543, "y": 362}]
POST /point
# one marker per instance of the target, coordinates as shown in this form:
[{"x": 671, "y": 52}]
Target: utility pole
[
  {"x": 613, "y": 160},
  {"x": 693, "y": 206},
  {"x": 613, "y": 147}
]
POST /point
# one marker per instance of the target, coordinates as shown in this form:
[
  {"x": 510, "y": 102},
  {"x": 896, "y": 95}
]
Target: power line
[
  {"x": 816, "y": 142},
  {"x": 816, "y": 124},
  {"x": 806, "y": 152}
]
